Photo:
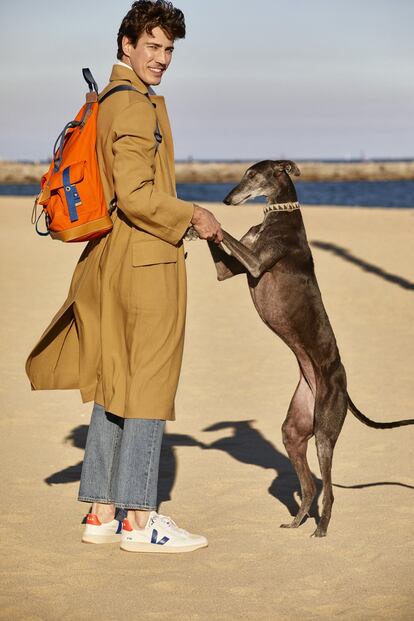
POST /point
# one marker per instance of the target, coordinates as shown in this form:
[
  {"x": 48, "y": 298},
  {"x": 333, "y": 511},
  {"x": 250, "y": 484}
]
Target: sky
[{"x": 251, "y": 80}]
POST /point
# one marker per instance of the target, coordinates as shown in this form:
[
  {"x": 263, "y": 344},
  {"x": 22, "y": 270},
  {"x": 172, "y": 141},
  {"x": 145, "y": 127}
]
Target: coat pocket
[{"x": 153, "y": 252}]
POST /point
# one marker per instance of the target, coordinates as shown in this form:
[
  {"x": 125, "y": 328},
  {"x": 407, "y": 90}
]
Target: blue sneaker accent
[{"x": 154, "y": 536}]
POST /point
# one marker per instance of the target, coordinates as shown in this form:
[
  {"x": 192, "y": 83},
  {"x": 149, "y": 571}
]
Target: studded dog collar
[{"x": 281, "y": 207}]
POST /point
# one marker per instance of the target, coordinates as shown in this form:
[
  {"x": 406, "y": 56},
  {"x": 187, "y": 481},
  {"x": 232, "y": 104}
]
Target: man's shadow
[{"x": 168, "y": 461}]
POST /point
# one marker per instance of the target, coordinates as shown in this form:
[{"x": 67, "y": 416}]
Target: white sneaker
[
  {"x": 161, "y": 534},
  {"x": 96, "y": 532}
]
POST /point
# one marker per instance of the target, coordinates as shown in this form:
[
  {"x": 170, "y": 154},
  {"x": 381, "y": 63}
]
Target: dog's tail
[{"x": 372, "y": 423}]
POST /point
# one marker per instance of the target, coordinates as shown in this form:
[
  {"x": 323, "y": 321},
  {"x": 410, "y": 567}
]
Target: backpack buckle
[{"x": 112, "y": 206}]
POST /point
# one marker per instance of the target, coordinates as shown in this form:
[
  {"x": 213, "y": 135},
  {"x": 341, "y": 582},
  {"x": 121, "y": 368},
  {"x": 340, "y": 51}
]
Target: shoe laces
[{"x": 171, "y": 524}]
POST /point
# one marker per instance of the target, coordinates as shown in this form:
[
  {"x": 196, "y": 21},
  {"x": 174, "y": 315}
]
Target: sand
[{"x": 233, "y": 483}]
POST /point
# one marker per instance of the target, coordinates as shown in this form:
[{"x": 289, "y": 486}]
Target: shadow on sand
[
  {"x": 343, "y": 253},
  {"x": 244, "y": 443},
  {"x": 168, "y": 461},
  {"x": 248, "y": 446}
]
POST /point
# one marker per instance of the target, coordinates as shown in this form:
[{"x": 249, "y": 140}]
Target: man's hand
[{"x": 206, "y": 225}]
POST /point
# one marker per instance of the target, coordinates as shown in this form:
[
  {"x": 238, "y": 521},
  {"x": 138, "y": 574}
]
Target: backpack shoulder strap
[
  {"x": 117, "y": 89},
  {"x": 127, "y": 87}
]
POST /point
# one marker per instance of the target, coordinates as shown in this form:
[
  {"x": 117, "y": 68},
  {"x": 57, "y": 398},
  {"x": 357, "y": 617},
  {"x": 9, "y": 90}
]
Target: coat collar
[{"x": 128, "y": 75}]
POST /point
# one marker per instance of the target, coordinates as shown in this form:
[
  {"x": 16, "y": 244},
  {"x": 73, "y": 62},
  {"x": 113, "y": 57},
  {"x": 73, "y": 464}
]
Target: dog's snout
[{"x": 236, "y": 196}]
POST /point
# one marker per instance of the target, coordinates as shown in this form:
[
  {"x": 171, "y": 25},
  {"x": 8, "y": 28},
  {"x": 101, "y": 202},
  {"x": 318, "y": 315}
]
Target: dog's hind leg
[
  {"x": 297, "y": 430},
  {"x": 330, "y": 414}
]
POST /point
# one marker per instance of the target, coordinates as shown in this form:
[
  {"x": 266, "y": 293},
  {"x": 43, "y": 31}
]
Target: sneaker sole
[
  {"x": 157, "y": 549},
  {"x": 103, "y": 539}
]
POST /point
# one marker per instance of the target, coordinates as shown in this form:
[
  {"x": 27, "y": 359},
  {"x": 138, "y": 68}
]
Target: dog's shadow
[{"x": 249, "y": 446}]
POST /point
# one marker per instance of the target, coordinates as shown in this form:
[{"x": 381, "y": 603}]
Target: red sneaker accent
[
  {"x": 91, "y": 518},
  {"x": 126, "y": 525}
]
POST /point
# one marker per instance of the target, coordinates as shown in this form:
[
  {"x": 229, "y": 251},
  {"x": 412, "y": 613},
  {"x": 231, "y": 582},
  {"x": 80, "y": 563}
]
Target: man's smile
[{"x": 157, "y": 70}]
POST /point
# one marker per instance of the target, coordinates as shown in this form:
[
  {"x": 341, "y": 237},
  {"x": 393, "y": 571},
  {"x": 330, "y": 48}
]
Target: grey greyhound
[{"x": 278, "y": 262}]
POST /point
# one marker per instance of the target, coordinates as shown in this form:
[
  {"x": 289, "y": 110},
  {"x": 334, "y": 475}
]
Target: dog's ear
[{"x": 286, "y": 166}]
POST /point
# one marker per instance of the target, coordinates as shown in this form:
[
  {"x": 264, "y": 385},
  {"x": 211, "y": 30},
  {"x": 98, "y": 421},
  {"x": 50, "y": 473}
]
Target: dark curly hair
[{"x": 147, "y": 15}]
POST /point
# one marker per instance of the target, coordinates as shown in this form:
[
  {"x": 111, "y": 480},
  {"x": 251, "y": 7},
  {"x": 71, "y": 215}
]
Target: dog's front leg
[
  {"x": 226, "y": 265},
  {"x": 256, "y": 263}
]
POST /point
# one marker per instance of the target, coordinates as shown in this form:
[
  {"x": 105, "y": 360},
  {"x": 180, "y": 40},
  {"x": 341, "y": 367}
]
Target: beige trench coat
[{"x": 119, "y": 336}]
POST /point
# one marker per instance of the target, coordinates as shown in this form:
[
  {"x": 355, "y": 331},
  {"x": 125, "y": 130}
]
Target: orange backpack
[{"x": 71, "y": 193}]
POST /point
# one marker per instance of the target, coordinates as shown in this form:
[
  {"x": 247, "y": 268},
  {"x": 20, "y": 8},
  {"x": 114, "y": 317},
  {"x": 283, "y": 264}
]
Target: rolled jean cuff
[
  {"x": 135, "y": 507},
  {"x": 128, "y": 507},
  {"x": 102, "y": 501}
]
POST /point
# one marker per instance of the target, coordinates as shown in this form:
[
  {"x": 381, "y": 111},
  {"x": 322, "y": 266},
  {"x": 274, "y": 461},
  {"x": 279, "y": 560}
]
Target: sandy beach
[{"x": 224, "y": 470}]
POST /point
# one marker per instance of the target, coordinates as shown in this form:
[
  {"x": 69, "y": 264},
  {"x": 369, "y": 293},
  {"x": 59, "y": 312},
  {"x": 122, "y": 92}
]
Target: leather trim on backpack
[{"x": 77, "y": 233}]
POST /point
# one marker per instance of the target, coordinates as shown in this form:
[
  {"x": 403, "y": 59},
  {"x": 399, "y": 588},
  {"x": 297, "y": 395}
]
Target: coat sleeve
[{"x": 134, "y": 149}]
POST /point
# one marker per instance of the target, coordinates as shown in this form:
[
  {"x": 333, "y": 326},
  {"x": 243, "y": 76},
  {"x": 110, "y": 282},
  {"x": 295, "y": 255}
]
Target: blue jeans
[{"x": 121, "y": 461}]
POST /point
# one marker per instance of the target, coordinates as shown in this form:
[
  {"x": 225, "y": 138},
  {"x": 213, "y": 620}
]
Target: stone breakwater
[
  {"x": 218, "y": 172},
  {"x": 200, "y": 172}
]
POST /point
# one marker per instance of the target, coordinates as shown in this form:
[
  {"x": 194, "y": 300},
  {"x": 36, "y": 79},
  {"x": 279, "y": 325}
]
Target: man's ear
[
  {"x": 286, "y": 166},
  {"x": 126, "y": 46}
]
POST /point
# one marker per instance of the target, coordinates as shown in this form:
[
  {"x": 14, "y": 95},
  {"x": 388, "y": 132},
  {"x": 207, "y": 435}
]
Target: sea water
[{"x": 390, "y": 194}]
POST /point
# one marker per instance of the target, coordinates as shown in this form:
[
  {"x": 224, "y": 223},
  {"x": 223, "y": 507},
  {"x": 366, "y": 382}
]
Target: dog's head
[{"x": 268, "y": 178}]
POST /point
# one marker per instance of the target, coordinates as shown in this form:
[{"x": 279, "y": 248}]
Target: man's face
[{"x": 150, "y": 57}]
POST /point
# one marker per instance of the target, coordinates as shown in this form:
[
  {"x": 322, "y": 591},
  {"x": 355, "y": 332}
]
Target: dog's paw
[
  {"x": 191, "y": 234},
  {"x": 319, "y": 532},
  {"x": 290, "y": 525}
]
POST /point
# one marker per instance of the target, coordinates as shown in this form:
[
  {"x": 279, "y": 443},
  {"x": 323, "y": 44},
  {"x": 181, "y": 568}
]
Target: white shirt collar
[{"x": 119, "y": 62}]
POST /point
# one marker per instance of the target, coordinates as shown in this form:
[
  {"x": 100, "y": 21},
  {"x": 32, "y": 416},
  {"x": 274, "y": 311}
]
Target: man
[{"x": 119, "y": 335}]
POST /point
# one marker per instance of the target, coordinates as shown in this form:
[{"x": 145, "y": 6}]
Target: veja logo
[{"x": 161, "y": 542}]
